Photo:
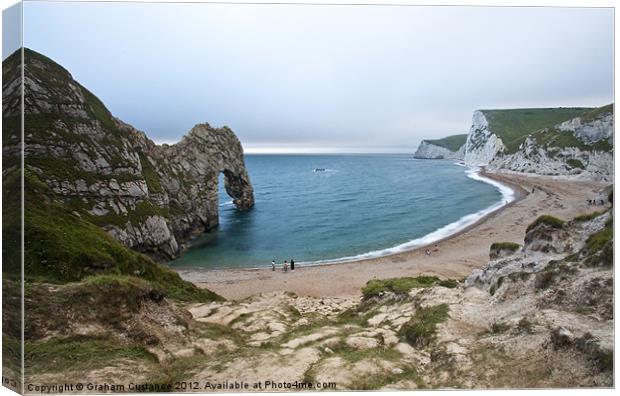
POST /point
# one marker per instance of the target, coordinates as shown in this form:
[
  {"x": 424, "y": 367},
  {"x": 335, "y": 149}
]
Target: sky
[{"x": 296, "y": 78}]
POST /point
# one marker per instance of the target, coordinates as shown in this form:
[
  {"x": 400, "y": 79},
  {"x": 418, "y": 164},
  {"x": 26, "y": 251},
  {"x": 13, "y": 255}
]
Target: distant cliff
[
  {"x": 574, "y": 142},
  {"x": 151, "y": 198},
  {"x": 451, "y": 147}
]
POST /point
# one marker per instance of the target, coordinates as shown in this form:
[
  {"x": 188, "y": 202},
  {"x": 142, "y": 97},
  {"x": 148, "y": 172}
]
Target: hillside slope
[{"x": 537, "y": 316}]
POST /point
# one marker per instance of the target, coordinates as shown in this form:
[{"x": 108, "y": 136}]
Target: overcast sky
[{"x": 297, "y": 77}]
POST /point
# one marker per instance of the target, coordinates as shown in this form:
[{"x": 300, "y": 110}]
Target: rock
[
  {"x": 162, "y": 195},
  {"x": 362, "y": 342},
  {"x": 561, "y": 337},
  {"x": 428, "y": 149},
  {"x": 404, "y": 348}
]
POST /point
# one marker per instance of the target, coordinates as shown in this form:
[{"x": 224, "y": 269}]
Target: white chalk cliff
[
  {"x": 428, "y": 150},
  {"x": 482, "y": 144}
]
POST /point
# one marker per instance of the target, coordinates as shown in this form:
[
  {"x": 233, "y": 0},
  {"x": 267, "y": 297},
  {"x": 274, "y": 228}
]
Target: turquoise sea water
[{"x": 359, "y": 206}]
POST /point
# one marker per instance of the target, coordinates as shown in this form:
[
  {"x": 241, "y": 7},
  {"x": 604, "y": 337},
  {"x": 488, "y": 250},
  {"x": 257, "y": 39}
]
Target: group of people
[
  {"x": 594, "y": 202},
  {"x": 435, "y": 250},
  {"x": 285, "y": 265}
]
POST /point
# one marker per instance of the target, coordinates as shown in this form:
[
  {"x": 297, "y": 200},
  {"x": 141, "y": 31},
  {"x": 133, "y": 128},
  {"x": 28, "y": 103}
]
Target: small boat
[{"x": 319, "y": 169}]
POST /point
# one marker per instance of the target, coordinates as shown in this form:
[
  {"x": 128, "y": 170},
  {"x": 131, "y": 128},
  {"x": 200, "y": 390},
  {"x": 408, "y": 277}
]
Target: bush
[
  {"x": 421, "y": 329},
  {"x": 548, "y": 220},
  {"x": 505, "y": 246},
  {"x": 544, "y": 279}
]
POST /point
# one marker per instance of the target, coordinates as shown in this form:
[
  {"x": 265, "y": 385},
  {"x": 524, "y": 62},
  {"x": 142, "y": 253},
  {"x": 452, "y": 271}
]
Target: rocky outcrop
[
  {"x": 581, "y": 147},
  {"x": 427, "y": 150},
  {"x": 482, "y": 144},
  {"x": 152, "y": 198}
]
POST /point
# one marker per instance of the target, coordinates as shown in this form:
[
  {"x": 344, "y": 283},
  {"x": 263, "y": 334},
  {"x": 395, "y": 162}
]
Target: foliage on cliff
[
  {"x": 514, "y": 125},
  {"x": 452, "y": 143}
]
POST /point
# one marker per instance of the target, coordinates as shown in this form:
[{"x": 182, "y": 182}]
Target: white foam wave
[
  {"x": 508, "y": 195},
  {"x": 227, "y": 203}
]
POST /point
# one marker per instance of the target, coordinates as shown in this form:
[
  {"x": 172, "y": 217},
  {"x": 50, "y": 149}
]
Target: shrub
[
  {"x": 505, "y": 246},
  {"x": 548, "y": 220},
  {"x": 575, "y": 163},
  {"x": 499, "y": 327},
  {"x": 543, "y": 279},
  {"x": 421, "y": 329}
]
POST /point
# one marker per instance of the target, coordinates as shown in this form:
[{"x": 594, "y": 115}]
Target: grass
[
  {"x": 63, "y": 355},
  {"x": 496, "y": 285},
  {"x": 402, "y": 286},
  {"x": 548, "y": 220},
  {"x": 452, "y": 143},
  {"x": 553, "y": 137},
  {"x": 66, "y": 248},
  {"x": 505, "y": 246},
  {"x": 421, "y": 330},
  {"x": 599, "y": 246},
  {"x": 587, "y": 216},
  {"x": 513, "y": 126}
]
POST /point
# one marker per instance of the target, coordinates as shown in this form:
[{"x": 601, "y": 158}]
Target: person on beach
[
  {"x": 292, "y": 265},
  {"x": 273, "y": 265},
  {"x": 428, "y": 252},
  {"x": 436, "y": 248},
  {"x": 285, "y": 266}
]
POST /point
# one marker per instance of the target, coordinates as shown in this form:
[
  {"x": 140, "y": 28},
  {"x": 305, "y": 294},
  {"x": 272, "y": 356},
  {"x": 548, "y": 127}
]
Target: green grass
[
  {"x": 421, "y": 330},
  {"x": 505, "y": 246},
  {"x": 587, "y": 216},
  {"x": 64, "y": 248},
  {"x": 513, "y": 126},
  {"x": 401, "y": 286},
  {"x": 452, "y": 143},
  {"x": 548, "y": 220},
  {"x": 63, "y": 355},
  {"x": 552, "y": 137}
]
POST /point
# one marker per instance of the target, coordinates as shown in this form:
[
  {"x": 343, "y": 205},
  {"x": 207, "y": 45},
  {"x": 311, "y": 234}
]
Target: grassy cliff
[
  {"x": 514, "y": 125},
  {"x": 452, "y": 143}
]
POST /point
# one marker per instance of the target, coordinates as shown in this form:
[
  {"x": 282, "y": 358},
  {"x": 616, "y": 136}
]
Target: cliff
[
  {"x": 451, "y": 147},
  {"x": 581, "y": 147},
  {"x": 151, "y": 198}
]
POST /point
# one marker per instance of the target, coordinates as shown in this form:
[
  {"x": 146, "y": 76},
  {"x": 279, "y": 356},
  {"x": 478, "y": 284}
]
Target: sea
[{"x": 327, "y": 209}]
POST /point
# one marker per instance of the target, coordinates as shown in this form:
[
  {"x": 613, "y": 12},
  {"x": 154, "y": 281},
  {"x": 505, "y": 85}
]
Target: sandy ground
[{"x": 457, "y": 255}]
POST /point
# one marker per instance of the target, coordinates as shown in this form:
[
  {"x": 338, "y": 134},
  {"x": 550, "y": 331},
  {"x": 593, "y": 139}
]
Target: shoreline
[
  {"x": 459, "y": 252},
  {"x": 517, "y": 194}
]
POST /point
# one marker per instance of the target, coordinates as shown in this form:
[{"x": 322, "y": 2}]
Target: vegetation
[
  {"x": 402, "y": 286},
  {"x": 575, "y": 163},
  {"x": 553, "y": 137},
  {"x": 513, "y": 126},
  {"x": 548, "y": 220},
  {"x": 599, "y": 246},
  {"x": 452, "y": 143},
  {"x": 66, "y": 248},
  {"x": 421, "y": 330},
  {"x": 63, "y": 355},
  {"x": 587, "y": 216},
  {"x": 505, "y": 246}
]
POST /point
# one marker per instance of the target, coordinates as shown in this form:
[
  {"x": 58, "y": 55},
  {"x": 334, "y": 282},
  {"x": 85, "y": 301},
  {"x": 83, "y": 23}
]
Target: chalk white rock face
[
  {"x": 428, "y": 150},
  {"x": 571, "y": 162},
  {"x": 482, "y": 144},
  {"x": 592, "y": 131}
]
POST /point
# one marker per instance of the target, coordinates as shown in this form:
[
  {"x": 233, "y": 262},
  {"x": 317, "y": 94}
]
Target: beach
[{"x": 458, "y": 254}]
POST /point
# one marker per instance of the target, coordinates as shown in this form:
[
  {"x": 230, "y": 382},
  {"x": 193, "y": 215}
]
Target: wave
[
  {"x": 508, "y": 195},
  {"x": 227, "y": 203}
]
